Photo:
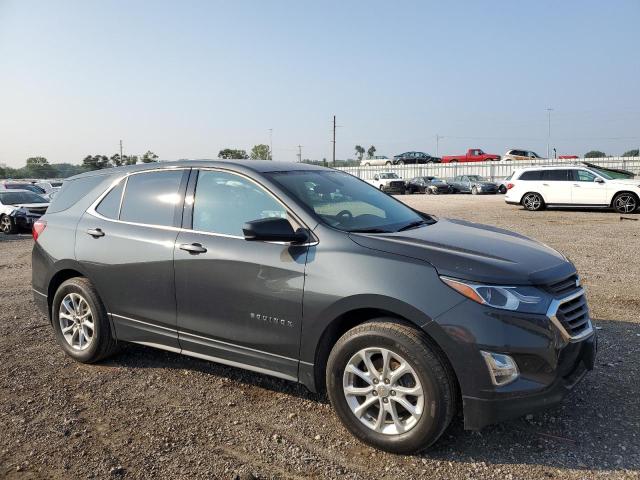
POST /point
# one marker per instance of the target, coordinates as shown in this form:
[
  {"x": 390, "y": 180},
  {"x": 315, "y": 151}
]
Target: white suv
[{"x": 538, "y": 187}]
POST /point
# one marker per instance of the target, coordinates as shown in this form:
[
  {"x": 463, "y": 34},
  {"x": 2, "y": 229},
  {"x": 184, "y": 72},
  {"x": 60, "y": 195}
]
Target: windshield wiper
[
  {"x": 368, "y": 230},
  {"x": 415, "y": 224}
]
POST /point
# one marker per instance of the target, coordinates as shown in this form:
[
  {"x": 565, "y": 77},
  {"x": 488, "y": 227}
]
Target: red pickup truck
[{"x": 472, "y": 155}]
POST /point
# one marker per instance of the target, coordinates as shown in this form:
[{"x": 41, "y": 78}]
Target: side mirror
[
  {"x": 273, "y": 230},
  {"x": 598, "y": 180},
  {"x": 376, "y": 177}
]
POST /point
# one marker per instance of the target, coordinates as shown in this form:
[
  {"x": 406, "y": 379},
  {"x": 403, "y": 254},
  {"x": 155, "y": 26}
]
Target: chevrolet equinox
[{"x": 312, "y": 275}]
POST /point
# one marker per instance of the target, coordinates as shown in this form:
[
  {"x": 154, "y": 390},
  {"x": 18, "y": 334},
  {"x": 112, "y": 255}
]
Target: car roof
[
  {"x": 550, "y": 167},
  {"x": 19, "y": 190},
  {"x": 260, "y": 166}
]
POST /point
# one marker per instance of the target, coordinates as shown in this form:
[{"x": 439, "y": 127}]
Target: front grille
[
  {"x": 396, "y": 184},
  {"x": 37, "y": 210},
  {"x": 574, "y": 315},
  {"x": 563, "y": 286}
]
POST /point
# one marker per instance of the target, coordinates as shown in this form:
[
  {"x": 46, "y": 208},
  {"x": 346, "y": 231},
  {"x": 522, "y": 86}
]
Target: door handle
[
  {"x": 576, "y": 185},
  {"x": 95, "y": 232},
  {"x": 545, "y": 184},
  {"x": 193, "y": 248}
]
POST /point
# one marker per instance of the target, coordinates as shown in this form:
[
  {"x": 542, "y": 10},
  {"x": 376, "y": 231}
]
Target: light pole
[
  {"x": 270, "y": 144},
  {"x": 549, "y": 110}
]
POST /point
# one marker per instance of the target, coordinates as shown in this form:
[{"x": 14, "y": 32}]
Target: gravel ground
[{"x": 147, "y": 413}]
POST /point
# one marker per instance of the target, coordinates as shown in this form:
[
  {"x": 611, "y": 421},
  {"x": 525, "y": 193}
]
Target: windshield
[
  {"x": 347, "y": 203},
  {"x": 389, "y": 175},
  {"x": 15, "y": 198},
  {"x": 477, "y": 178}
]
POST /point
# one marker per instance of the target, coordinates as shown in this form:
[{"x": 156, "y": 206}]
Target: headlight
[{"x": 521, "y": 298}]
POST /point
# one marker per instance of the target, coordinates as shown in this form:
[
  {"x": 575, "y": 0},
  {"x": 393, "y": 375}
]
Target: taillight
[
  {"x": 38, "y": 228},
  {"x": 510, "y": 186}
]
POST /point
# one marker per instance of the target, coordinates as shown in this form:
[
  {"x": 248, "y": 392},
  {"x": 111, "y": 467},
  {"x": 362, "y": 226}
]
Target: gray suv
[{"x": 312, "y": 275}]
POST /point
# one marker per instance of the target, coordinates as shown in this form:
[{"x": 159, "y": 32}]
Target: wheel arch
[
  {"x": 352, "y": 318},
  {"x": 613, "y": 197}
]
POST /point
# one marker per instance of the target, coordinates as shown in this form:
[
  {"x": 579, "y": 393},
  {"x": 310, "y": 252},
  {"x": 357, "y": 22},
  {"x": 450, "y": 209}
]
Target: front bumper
[{"x": 549, "y": 363}]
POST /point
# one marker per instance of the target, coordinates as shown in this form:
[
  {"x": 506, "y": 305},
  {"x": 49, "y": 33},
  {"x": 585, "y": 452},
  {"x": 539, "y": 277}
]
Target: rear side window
[
  {"x": 72, "y": 191},
  {"x": 531, "y": 175},
  {"x": 110, "y": 205},
  {"x": 556, "y": 175},
  {"x": 152, "y": 198}
]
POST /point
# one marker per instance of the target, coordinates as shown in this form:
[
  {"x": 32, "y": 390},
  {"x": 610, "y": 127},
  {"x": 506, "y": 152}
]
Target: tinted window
[
  {"x": 151, "y": 198},
  {"x": 585, "y": 176},
  {"x": 74, "y": 190},
  {"x": 110, "y": 205},
  {"x": 224, "y": 202},
  {"x": 530, "y": 175},
  {"x": 555, "y": 175},
  {"x": 14, "y": 198}
]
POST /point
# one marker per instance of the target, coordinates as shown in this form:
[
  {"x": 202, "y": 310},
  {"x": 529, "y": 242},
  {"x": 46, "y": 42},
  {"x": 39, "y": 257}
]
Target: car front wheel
[
  {"x": 8, "y": 225},
  {"x": 625, "y": 202},
  {"x": 533, "y": 201},
  {"x": 389, "y": 387}
]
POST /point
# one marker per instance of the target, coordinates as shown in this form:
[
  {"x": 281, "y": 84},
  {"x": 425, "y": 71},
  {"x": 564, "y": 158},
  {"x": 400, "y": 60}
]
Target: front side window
[
  {"x": 345, "y": 202},
  {"x": 224, "y": 202},
  {"x": 388, "y": 176},
  {"x": 585, "y": 176},
  {"x": 110, "y": 205},
  {"x": 151, "y": 198}
]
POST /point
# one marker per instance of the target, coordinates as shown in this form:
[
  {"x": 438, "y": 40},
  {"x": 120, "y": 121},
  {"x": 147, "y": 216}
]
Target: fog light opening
[{"x": 502, "y": 368}]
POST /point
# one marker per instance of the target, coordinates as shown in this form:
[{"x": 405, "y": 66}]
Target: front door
[
  {"x": 238, "y": 301},
  {"x": 586, "y": 191}
]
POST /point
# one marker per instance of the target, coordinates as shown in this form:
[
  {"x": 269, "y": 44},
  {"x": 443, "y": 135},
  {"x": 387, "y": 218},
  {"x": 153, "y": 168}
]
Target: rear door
[
  {"x": 125, "y": 244},
  {"x": 239, "y": 302},
  {"x": 585, "y": 190},
  {"x": 556, "y": 186}
]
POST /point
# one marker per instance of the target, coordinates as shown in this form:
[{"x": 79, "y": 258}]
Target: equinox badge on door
[{"x": 275, "y": 321}]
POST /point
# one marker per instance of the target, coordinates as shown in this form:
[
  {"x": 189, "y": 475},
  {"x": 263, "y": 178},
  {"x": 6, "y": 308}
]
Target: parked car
[
  {"x": 23, "y": 186},
  {"x": 472, "y": 155},
  {"x": 388, "y": 182},
  {"x": 414, "y": 158},
  {"x": 19, "y": 209},
  {"x": 376, "y": 160},
  {"x": 473, "y": 184},
  {"x": 568, "y": 157},
  {"x": 243, "y": 267},
  {"x": 427, "y": 185},
  {"x": 502, "y": 184},
  {"x": 49, "y": 186},
  {"x": 540, "y": 187},
  {"x": 520, "y": 155}
]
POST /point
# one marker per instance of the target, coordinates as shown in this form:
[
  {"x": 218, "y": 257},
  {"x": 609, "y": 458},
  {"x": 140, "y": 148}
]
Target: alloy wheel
[
  {"x": 383, "y": 391},
  {"x": 532, "y": 201},
  {"x": 5, "y": 224},
  {"x": 625, "y": 203},
  {"x": 76, "y": 321}
]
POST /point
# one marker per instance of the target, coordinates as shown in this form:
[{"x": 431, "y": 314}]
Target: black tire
[
  {"x": 8, "y": 225},
  {"x": 367, "y": 164},
  {"x": 433, "y": 372},
  {"x": 428, "y": 191},
  {"x": 102, "y": 344},
  {"x": 453, "y": 161},
  {"x": 532, "y": 201},
  {"x": 474, "y": 190},
  {"x": 400, "y": 162},
  {"x": 625, "y": 202},
  {"x": 502, "y": 189},
  {"x": 388, "y": 162}
]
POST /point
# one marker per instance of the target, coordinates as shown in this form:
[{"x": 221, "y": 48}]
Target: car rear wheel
[
  {"x": 533, "y": 201},
  {"x": 625, "y": 202},
  {"x": 80, "y": 321},
  {"x": 400, "y": 162},
  {"x": 8, "y": 225},
  {"x": 502, "y": 189},
  {"x": 474, "y": 190},
  {"x": 367, "y": 164},
  {"x": 389, "y": 387},
  {"x": 388, "y": 162},
  {"x": 453, "y": 161}
]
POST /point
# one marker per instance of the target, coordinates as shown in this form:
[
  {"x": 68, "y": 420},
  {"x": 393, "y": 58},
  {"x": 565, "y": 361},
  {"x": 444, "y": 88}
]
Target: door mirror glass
[{"x": 273, "y": 230}]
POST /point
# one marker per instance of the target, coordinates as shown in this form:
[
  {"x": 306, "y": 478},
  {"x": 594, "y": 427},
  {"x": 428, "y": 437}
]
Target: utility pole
[
  {"x": 549, "y": 110},
  {"x": 270, "y": 144},
  {"x": 438, "y": 137},
  {"x": 120, "y": 150},
  {"x": 299, "y": 153},
  {"x": 334, "y": 141}
]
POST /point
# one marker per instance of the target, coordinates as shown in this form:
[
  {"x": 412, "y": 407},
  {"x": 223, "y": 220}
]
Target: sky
[{"x": 186, "y": 79}]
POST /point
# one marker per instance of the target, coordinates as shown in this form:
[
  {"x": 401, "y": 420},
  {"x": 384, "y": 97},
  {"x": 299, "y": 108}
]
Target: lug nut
[
  {"x": 385, "y": 400},
  {"x": 375, "y": 394},
  {"x": 386, "y": 380},
  {"x": 375, "y": 380},
  {"x": 393, "y": 392}
]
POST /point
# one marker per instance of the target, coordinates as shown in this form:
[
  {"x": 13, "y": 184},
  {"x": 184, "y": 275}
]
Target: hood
[
  {"x": 31, "y": 205},
  {"x": 475, "y": 252},
  {"x": 625, "y": 181}
]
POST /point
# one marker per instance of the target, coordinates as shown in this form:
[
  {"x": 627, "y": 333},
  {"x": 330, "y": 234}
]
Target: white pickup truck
[{"x": 388, "y": 182}]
